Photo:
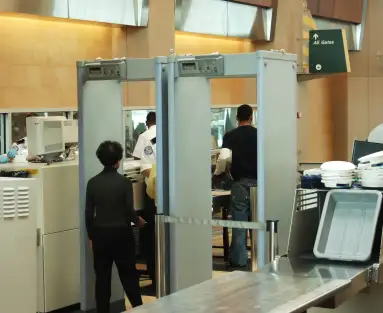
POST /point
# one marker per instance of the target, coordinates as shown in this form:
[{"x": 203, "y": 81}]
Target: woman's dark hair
[
  {"x": 244, "y": 113},
  {"x": 109, "y": 153}
]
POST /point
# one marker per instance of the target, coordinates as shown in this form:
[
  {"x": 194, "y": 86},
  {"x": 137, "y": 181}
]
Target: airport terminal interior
[{"x": 247, "y": 136}]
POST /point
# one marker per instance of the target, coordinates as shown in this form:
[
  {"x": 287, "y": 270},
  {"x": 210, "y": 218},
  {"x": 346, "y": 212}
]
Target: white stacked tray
[
  {"x": 372, "y": 178},
  {"x": 371, "y": 170},
  {"x": 337, "y": 174},
  {"x": 372, "y": 159}
]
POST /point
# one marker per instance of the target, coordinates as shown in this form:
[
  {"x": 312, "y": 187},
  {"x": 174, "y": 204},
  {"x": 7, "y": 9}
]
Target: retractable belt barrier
[
  {"x": 213, "y": 223},
  {"x": 270, "y": 227}
]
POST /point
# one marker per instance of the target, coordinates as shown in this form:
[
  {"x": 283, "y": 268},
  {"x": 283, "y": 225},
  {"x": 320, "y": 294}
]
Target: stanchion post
[
  {"x": 253, "y": 237},
  {"x": 160, "y": 256},
  {"x": 272, "y": 229}
]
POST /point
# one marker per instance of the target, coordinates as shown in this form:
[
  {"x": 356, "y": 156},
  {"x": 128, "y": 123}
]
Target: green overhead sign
[{"x": 328, "y": 52}]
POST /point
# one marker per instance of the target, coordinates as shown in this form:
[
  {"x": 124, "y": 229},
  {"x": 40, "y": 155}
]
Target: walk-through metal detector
[
  {"x": 184, "y": 147},
  {"x": 101, "y": 117},
  {"x": 189, "y": 180}
]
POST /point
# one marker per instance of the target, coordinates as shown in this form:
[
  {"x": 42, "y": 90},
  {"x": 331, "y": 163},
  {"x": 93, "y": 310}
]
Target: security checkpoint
[
  {"x": 188, "y": 112},
  {"x": 184, "y": 153}
]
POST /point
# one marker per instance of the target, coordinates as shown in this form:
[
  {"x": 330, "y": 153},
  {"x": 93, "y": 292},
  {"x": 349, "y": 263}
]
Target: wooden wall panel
[
  {"x": 360, "y": 60},
  {"x": 339, "y": 108},
  {"x": 119, "y": 42},
  {"x": 315, "y": 128},
  {"x": 343, "y": 10},
  {"x": 375, "y": 108},
  {"x": 262, "y": 3},
  {"x": 326, "y": 8},
  {"x": 348, "y": 10},
  {"x": 224, "y": 91},
  {"x": 155, "y": 40},
  {"x": 318, "y": 144},
  {"x": 358, "y": 110},
  {"x": 288, "y": 27},
  {"x": 365, "y": 82},
  {"x": 375, "y": 39},
  {"x": 313, "y": 6},
  {"x": 38, "y": 59}
]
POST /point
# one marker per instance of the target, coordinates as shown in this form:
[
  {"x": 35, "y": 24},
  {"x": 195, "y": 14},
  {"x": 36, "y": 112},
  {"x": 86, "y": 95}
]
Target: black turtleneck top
[{"x": 109, "y": 201}]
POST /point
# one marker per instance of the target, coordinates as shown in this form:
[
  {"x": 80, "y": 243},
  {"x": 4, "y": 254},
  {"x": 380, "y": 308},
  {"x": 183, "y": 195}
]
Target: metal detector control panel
[
  {"x": 204, "y": 65},
  {"x": 106, "y": 70}
]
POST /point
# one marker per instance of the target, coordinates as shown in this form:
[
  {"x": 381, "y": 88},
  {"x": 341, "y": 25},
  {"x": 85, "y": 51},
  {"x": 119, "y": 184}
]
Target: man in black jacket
[{"x": 109, "y": 213}]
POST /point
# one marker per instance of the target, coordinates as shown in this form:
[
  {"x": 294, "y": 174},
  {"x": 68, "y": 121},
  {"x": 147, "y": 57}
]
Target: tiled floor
[
  {"x": 218, "y": 264},
  {"x": 146, "y": 299}
]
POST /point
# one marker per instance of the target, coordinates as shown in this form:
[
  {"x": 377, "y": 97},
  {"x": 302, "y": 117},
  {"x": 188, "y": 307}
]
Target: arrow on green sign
[{"x": 328, "y": 52}]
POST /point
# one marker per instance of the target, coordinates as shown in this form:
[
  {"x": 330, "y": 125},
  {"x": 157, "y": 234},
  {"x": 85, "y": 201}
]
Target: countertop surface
[
  {"x": 242, "y": 292},
  {"x": 286, "y": 285},
  {"x": 27, "y": 165}
]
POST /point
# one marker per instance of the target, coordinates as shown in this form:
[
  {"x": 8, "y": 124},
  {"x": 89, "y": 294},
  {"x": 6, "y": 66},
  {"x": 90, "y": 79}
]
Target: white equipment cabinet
[
  {"x": 18, "y": 205},
  {"x": 58, "y": 252}
]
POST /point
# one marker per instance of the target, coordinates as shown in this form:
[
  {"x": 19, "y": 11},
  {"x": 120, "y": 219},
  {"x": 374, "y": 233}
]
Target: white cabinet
[
  {"x": 18, "y": 241},
  {"x": 61, "y": 269},
  {"x": 58, "y": 252}
]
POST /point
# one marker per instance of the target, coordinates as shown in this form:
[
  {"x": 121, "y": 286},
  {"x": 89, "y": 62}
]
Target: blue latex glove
[
  {"x": 4, "y": 159},
  {"x": 12, "y": 153}
]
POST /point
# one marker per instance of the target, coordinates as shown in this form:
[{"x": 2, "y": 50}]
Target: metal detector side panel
[
  {"x": 100, "y": 118},
  {"x": 190, "y": 180},
  {"x": 277, "y": 142}
]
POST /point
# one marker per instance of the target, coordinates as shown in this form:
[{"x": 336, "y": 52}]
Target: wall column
[{"x": 155, "y": 40}]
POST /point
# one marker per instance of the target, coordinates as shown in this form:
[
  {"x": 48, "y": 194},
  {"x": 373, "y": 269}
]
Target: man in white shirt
[
  {"x": 145, "y": 137},
  {"x": 146, "y": 151}
]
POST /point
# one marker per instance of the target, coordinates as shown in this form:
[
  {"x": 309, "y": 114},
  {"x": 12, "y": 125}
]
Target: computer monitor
[
  {"x": 363, "y": 148},
  {"x": 45, "y": 135}
]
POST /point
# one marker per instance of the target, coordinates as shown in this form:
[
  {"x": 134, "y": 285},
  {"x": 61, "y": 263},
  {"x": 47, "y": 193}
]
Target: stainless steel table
[
  {"x": 284, "y": 286},
  {"x": 248, "y": 292}
]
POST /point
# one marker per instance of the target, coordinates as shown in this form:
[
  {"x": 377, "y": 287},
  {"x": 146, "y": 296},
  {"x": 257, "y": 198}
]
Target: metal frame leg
[
  {"x": 272, "y": 229},
  {"x": 160, "y": 256},
  {"x": 253, "y": 233},
  {"x": 226, "y": 244}
]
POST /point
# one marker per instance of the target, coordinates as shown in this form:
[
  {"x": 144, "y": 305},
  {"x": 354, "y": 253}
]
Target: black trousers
[
  {"x": 115, "y": 245},
  {"x": 147, "y": 236}
]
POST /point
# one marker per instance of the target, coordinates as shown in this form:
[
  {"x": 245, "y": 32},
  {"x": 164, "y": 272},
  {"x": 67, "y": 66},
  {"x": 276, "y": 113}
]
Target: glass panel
[
  {"x": 222, "y": 120},
  {"x": 134, "y": 126},
  {"x": 56, "y": 113},
  {"x": 19, "y": 126}
]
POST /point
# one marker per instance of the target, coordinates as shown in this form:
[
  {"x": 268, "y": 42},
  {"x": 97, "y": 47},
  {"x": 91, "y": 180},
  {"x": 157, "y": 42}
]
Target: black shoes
[{"x": 236, "y": 267}]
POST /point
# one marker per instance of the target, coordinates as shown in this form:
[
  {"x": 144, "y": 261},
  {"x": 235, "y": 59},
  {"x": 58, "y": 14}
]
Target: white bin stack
[
  {"x": 338, "y": 174},
  {"x": 371, "y": 170}
]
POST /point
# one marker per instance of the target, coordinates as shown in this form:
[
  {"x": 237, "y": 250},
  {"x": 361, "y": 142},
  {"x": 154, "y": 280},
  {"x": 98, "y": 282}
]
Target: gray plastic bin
[{"x": 347, "y": 227}]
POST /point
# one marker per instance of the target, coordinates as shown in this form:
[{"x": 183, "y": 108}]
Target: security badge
[{"x": 148, "y": 150}]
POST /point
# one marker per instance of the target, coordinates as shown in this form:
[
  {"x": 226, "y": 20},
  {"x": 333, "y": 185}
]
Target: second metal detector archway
[{"x": 188, "y": 151}]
